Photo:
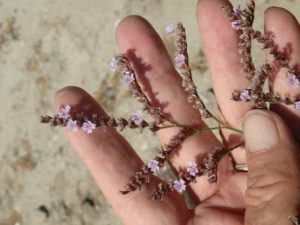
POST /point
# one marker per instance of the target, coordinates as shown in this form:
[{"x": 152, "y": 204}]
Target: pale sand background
[{"x": 44, "y": 46}]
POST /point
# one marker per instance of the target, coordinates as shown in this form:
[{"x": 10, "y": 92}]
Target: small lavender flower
[
  {"x": 293, "y": 81},
  {"x": 64, "y": 112},
  {"x": 245, "y": 96},
  {"x": 169, "y": 29},
  {"x": 237, "y": 10},
  {"x": 128, "y": 78},
  {"x": 72, "y": 125},
  {"x": 297, "y": 105},
  {"x": 137, "y": 117},
  {"x": 179, "y": 60},
  {"x": 153, "y": 165},
  {"x": 192, "y": 168},
  {"x": 235, "y": 24},
  {"x": 114, "y": 64},
  {"x": 179, "y": 185},
  {"x": 88, "y": 127}
]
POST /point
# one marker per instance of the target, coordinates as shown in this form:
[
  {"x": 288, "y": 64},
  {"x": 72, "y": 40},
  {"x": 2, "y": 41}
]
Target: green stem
[{"x": 205, "y": 128}]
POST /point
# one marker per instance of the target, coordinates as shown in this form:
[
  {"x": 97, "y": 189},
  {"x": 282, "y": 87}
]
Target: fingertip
[
  {"x": 130, "y": 28},
  {"x": 256, "y": 125},
  {"x": 80, "y": 100},
  {"x": 67, "y": 95},
  {"x": 263, "y": 126},
  {"x": 129, "y": 21},
  {"x": 67, "y": 91},
  {"x": 278, "y": 20},
  {"x": 279, "y": 15},
  {"x": 206, "y": 7}
]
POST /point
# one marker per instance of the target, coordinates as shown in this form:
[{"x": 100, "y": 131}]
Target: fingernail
[{"x": 260, "y": 131}]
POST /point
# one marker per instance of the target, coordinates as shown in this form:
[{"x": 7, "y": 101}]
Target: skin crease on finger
[{"x": 217, "y": 207}]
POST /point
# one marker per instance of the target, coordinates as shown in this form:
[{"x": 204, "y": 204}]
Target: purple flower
[
  {"x": 72, "y": 125},
  {"x": 244, "y": 96},
  {"x": 114, "y": 64},
  {"x": 128, "y": 77},
  {"x": 153, "y": 165},
  {"x": 237, "y": 10},
  {"x": 169, "y": 29},
  {"x": 235, "y": 24},
  {"x": 179, "y": 185},
  {"x": 297, "y": 105},
  {"x": 179, "y": 60},
  {"x": 192, "y": 168},
  {"x": 64, "y": 112},
  {"x": 293, "y": 81},
  {"x": 88, "y": 127},
  {"x": 137, "y": 117}
]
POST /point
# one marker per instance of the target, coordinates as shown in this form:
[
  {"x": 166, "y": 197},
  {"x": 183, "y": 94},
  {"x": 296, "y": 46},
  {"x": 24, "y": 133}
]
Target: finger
[
  {"x": 112, "y": 162},
  {"x": 286, "y": 32},
  {"x": 272, "y": 193},
  {"x": 220, "y": 43},
  {"x": 162, "y": 84}
]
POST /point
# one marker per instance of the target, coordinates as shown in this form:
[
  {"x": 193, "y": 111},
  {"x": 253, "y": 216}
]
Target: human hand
[{"x": 268, "y": 194}]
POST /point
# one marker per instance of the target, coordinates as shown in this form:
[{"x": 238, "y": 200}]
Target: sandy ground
[{"x": 44, "y": 46}]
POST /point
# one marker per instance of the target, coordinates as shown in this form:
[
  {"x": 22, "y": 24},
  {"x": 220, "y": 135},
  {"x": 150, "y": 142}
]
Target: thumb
[{"x": 273, "y": 185}]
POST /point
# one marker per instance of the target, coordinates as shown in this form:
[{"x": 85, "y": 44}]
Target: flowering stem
[{"x": 205, "y": 128}]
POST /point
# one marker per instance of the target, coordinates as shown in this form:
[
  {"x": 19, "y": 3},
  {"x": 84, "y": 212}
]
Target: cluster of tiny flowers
[
  {"x": 72, "y": 125},
  {"x": 128, "y": 77},
  {"x": 179, "y": 185},
  {"x": 192, "y": 168},
  {"x": 137, "y": 117},
  {"x": 179, "y": 60},
  {"x": 293, "y": 81},
  {"x": 245, "y": 95},
  {"x": 237, "y": 10},
  {"x": 170, "y": 29},
  {"x": 235, "y": 25},
  {"x": 88, "y": 127},
  {"x": 114, "y": 64},
  {"x": 64, "y": 113},
  {"x": 153, "y": 165},
  {"x": 297, "y": 105}
]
